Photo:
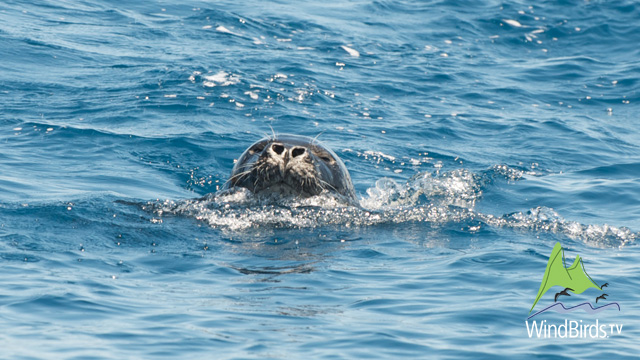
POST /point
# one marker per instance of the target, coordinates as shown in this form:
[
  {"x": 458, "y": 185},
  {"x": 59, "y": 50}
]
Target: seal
[{"x": 292, "y": 165}]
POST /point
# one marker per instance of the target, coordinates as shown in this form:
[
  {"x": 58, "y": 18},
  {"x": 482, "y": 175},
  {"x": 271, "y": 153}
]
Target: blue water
[{"x": 477, "y": 134}]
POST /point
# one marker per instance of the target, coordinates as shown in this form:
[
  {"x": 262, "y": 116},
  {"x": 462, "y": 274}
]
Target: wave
[{"x": 586, "y": 306}]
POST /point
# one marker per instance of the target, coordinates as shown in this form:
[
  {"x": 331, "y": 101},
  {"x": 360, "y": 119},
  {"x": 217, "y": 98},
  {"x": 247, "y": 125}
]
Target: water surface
[{"x": 477, "y": 134}]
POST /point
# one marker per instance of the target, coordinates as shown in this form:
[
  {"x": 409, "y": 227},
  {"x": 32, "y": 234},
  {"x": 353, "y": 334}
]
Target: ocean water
[{"x": 478, "y": 134}]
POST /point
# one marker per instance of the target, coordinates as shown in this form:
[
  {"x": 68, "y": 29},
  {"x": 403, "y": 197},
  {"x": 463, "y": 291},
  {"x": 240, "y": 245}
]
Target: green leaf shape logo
[{"x": 573, "y": 277}]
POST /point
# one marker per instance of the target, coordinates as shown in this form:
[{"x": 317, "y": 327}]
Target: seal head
[{"x": 292, "y": 165}]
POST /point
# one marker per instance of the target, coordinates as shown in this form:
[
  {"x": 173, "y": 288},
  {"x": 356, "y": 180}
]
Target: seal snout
[
  {"x": 285, "y": 153},
  {"x": 287, "y": 158}
]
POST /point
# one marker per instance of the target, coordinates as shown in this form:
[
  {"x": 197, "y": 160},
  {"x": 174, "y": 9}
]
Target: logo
[{"x": 573, "y": 280}]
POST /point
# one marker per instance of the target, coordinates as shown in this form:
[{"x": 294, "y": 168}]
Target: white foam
[
  {"x": 378, "y": 155},
  {"x": 351, "y": 51},
  {"x": 252, "y": 94},
  {"x": 221, "y": 78},
  {"x": 513, "y": 23},
  {"x": 223, "y": 29}
]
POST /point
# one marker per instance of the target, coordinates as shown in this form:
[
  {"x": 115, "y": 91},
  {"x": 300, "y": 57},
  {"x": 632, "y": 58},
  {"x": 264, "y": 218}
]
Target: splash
[
  {"x": 458, "y": 188},
  {"x": 544, "y": 219},
  {"x": 435, "y": 198}
]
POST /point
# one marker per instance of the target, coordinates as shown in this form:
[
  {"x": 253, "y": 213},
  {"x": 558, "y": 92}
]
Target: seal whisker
[
  {"x": 322, "y": 183},
  {"x": 273, "y": 132},
  {"x": 259, "y": 169},
  {"x": 314, "y": 141},
  {"x": 237, "y": 177}
]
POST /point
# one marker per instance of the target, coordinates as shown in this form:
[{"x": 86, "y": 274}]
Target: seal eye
[
  {"x": 325, "y": 157},
  {"x": 257, "y": 149}
]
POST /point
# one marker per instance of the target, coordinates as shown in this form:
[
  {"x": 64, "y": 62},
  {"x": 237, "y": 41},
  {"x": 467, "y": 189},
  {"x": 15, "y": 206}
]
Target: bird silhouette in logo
[
  {"x": 601, "y": 297},
  {"x": 563, "y": 292}
]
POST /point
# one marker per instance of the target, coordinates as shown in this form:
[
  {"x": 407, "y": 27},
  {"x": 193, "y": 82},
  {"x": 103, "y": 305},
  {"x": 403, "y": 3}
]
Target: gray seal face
[{"x": 292, "y": 165}]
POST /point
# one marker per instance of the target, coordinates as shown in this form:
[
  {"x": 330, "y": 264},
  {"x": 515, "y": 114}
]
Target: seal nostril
[
  {"x": 297, "y": 152},
  {"x": 277, "y": 148}
]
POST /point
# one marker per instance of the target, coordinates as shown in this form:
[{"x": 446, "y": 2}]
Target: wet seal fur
[{"x": 292, "y": 165}]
